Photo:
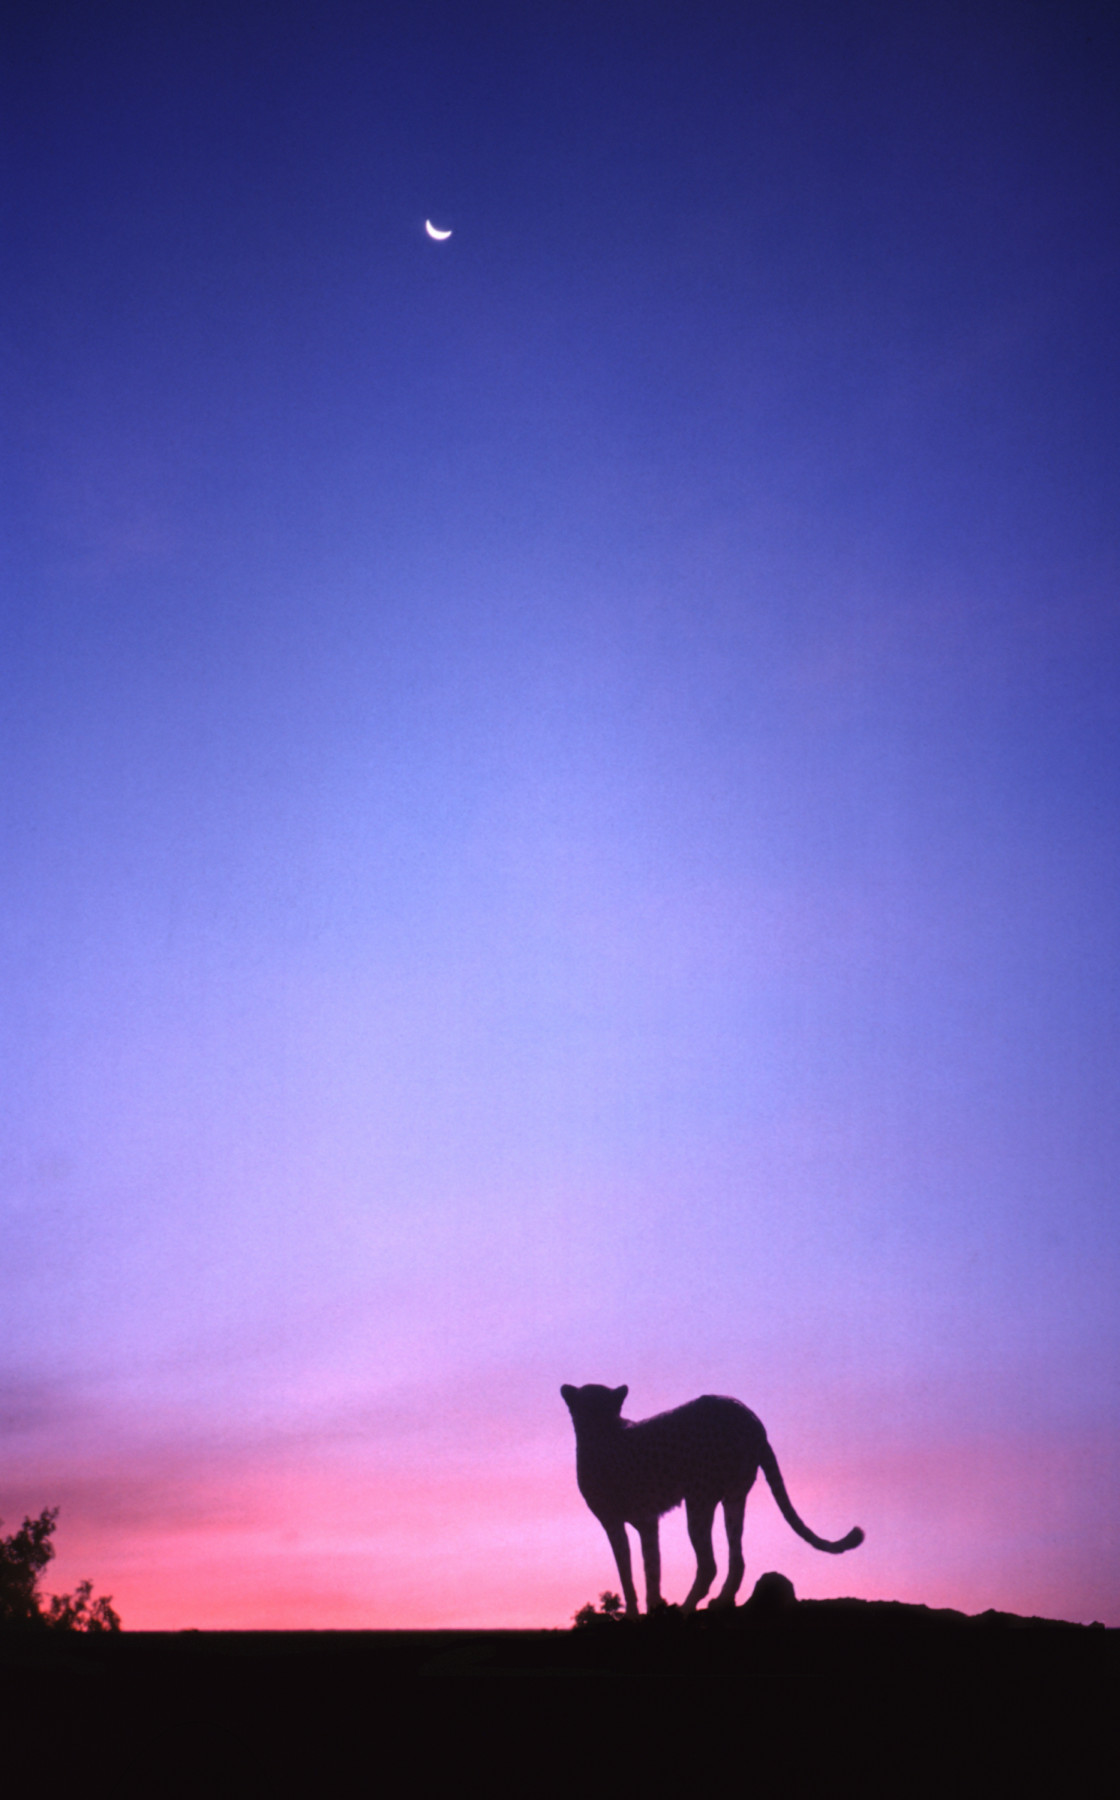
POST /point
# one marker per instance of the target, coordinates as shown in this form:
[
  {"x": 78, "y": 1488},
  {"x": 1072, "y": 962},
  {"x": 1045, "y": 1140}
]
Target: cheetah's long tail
[{"x": 773, "y": 1474}]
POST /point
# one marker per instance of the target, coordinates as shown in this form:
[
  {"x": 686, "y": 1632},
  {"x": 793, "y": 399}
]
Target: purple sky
[{"x": 559, "y": 817}]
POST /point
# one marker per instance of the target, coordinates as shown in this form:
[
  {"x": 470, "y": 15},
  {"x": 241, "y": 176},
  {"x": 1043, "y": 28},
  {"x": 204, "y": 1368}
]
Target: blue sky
[{"x": 560, "y": 787}]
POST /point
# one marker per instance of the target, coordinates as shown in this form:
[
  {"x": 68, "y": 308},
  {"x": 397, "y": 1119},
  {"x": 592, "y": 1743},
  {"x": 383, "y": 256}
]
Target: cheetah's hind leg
[{"x": 734, "y": 1508}]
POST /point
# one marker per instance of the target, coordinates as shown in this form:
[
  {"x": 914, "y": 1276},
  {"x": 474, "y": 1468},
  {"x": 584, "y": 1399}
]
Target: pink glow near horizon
[{"x": 351, "y": 1538}]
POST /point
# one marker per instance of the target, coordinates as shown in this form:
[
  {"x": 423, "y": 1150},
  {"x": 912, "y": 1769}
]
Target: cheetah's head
[{"x": 594, "y": 1407}]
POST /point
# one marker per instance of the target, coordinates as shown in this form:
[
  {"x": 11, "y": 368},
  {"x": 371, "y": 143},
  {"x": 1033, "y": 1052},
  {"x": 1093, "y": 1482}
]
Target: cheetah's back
[{"x": 702, "y": 1451}]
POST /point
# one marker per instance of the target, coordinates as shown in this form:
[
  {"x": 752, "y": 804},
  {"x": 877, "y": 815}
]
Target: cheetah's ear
[
  {"x": 620, "y": 1395},
  {"x": 567, "y": 1393}
]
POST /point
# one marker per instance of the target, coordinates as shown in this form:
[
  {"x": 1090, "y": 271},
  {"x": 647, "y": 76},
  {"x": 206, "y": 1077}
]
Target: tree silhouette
[{"x": 23, "y": 1557}]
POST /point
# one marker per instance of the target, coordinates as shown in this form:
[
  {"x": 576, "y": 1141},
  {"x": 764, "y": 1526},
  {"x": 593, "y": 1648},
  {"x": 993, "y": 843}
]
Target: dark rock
[{"x": 773, "y": 1594}]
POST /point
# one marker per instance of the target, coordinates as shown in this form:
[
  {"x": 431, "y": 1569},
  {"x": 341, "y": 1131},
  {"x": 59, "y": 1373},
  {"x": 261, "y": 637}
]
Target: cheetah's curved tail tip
[{"x": 773, "y": 1475}]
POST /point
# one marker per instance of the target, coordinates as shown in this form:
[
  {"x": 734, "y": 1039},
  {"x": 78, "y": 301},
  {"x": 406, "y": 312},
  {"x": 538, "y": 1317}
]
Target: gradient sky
[{"x": 559, "y": 812}]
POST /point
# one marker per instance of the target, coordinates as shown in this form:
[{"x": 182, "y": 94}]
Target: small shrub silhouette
[
  {"x": 23, "y": 1557},
  {"x": 610, "y": 1609}
]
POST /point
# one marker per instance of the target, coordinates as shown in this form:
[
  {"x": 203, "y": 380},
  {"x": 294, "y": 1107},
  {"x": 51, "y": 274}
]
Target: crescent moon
[{"x": 433, "y": 233}]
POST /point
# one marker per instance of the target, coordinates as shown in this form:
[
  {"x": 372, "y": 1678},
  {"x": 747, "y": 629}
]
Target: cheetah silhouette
[{"x": 706, "y": 1453}]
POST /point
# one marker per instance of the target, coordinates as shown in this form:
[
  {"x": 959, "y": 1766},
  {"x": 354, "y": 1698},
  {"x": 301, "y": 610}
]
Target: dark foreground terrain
[
  {"x": 845, "y": 1697},
  {"x": 772, "y": 1638}
]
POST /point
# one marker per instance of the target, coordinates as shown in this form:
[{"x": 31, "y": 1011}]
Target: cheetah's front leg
[
  {"x": 620, "y": 1544},
  {"x": 700, "y": 1516},
  {"x": 651, "y": 1557}
]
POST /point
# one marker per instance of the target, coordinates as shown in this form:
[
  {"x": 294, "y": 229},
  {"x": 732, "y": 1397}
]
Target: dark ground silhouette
[
  {"x": 847, "y": 1697},
  {"x": 773, "y": 1635}
]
